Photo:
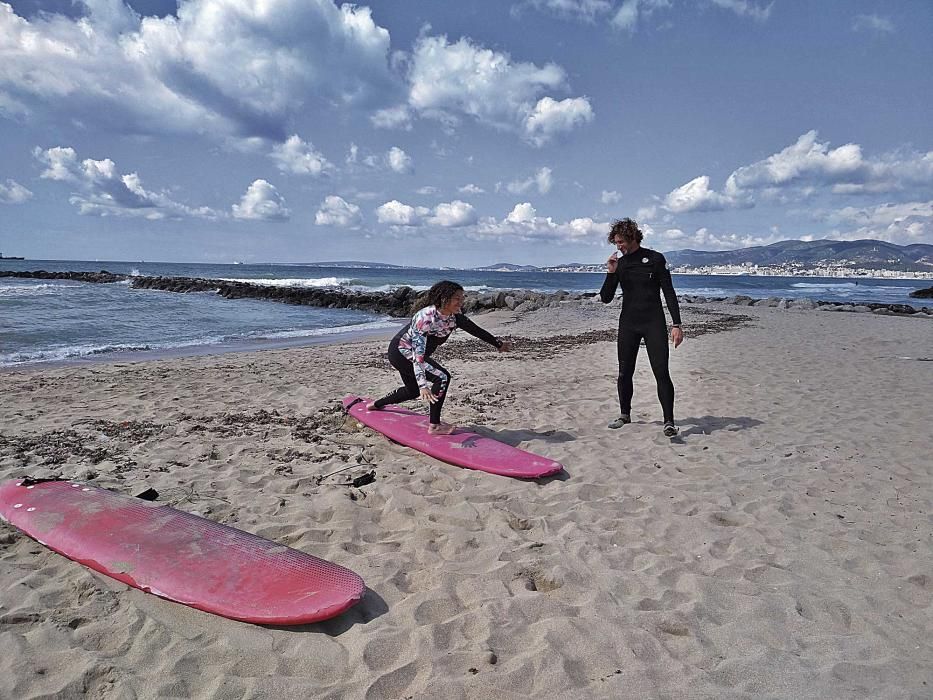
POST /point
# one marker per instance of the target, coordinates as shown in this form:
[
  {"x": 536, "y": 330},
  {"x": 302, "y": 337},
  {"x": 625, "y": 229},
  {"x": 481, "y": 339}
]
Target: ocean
[{"x": 48, "y": 321}]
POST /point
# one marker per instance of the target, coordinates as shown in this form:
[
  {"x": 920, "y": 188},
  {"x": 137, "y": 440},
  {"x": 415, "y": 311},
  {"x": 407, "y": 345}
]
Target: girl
[{"x": 410, "y": 351}]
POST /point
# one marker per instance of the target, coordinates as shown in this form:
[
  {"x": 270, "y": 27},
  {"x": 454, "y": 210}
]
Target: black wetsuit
[
  {"x": 643, "y": 275},
  {"x": 411, "y": 349}
]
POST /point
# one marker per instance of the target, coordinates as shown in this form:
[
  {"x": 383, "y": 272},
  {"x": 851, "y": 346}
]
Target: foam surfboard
[
  {"x": 463, "y": 448},
  {"x": 180, "y": 556}
]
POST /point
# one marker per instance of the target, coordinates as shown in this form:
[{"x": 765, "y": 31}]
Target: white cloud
[
  {"x": 873, "y": 23},
  {"x": 744, "y": 8},
  {"x": 352, "y": 154},
  {"x": 225, "y": 68},
  {"x": 298, "y": 157},
  {"x": 804, "y": 169},
  {"x": 551, "y": 117},
  {"x": 705, "y": 239},
  {"x": 542, "y": 179},
  {"x": 470, "y": 188},
  {"x": 904, "y": 223},
  {"x": 261, "y": 202},
  {"x": 398, "y": 160},
  {"x": 392, "y": 118},
  {"x": 610, "y": 197},
  {"x": 395, "y": 213},
  {"x": 13, "y": 193},
  {"x": 583, "y": 10},
  {"x": 453, "y": 214},
  {"x": 336, "y": 211},
  {"x": 697, "y": 196},
  {"x": 427, "y": 190},
  {"x": 103, "y": 191},
  {"x": 630, "y": 11},
  {"x": 521, "y": 214},
  {"x": 448, "y": 81},
  {"x": 523, "y": 223}
]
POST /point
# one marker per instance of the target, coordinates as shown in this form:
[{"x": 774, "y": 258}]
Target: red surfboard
[
  {"x": 462, "y": 448},
  {"x": 179, "y": 556}
]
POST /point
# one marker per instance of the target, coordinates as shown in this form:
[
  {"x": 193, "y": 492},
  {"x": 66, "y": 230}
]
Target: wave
[
  {"x": 67, "y": 353},
  {"x": 28, "y": 290},
  {"x": 313, "y": 282},
  {"x": 824, "y": 285}
]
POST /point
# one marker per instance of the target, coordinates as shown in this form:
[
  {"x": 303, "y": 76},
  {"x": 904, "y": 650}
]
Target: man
[{"x": 643, "y": 275}]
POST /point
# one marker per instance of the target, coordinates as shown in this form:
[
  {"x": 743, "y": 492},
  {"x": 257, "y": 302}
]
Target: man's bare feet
[
  {"x": 441, "y": 429},
  {"x": 371, "y": 406}
]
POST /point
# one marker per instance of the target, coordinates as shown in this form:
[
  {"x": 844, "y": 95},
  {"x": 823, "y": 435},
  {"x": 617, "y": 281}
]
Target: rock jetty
[{"x": 400, "y": 302}]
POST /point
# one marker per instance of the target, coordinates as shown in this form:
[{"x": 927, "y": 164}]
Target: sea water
[{"x": 59, "y": 320}]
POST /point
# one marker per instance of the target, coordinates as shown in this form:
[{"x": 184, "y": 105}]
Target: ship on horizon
[{"x": 10, "y": 257}]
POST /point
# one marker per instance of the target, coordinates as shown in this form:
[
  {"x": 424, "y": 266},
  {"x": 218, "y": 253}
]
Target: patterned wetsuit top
[
  {"x": 428, "y": 330},
  {"x": 643, "y": 276}
]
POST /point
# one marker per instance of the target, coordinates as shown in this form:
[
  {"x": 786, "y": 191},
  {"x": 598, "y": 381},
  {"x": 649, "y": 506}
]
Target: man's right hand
[
  {"x": 426, "y": 395},
  {"x": 612, "y": 263}
]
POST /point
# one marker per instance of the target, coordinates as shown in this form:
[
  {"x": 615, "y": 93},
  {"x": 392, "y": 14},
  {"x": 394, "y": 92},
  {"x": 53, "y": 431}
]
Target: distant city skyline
[{"x": 458, "y": 134}]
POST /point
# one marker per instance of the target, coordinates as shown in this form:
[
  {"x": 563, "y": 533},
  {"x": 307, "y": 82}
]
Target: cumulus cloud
[
  {"x": 523, "y": 223},
  {"x": 231, "y": 68},
  {"x": 336, "y": 211},
  {"x": 453, "y": 214},
  {"x": 705, "y": 239},
  {"x": 446, "y": 214},
  {"x": 903, "y": 223},
  {"x": 298, "y": 157},
  {"x": 470, "y": 188},
  {"x": 394, "y": 213},
  {"x": 12, "y": 192},
  {"x": 873, "y": 23},
  {"x": 806, "y": 168},
  {"x": 261, "y": 202},
  {"x": 697, "y": 196},
  {"x": 398, "y": 160},
  {"x": 104, "y": 191},
  {"x": 450, "y": 81}
]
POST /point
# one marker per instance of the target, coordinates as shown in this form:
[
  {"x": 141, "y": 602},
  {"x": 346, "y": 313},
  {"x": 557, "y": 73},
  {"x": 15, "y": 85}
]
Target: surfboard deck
[
  {"x": 463, "y": 448},
  {"x": 180, "y": 556}
]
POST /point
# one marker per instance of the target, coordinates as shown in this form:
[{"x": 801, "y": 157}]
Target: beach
[{"x": 780, "y": 547}]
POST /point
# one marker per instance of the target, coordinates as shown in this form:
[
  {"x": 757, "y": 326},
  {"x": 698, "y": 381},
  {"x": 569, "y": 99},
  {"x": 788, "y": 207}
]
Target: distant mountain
[
  {"x": 358, "y": 264},
  {"x": 508, "y": 267},
  {"x": 866, "y": 254}
]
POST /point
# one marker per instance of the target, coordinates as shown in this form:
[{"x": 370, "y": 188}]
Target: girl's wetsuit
[
  {"x": 410, "y": 351},
  {"x": 643, "y": 275}
]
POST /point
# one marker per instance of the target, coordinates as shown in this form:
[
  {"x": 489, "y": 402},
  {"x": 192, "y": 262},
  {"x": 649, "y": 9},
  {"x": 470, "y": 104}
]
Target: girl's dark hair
[
  {"x": 437, "y": 295},
  {"x": 627, "y": 229}
]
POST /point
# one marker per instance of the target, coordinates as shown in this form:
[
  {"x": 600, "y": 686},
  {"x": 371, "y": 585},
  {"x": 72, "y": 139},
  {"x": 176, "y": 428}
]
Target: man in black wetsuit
[{"x": 643, "y": 275}]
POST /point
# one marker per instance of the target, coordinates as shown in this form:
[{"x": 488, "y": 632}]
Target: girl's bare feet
[{"x": 441, "y": 429}]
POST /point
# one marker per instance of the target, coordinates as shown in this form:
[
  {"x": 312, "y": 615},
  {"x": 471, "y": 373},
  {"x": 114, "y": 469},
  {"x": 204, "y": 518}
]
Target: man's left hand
[{"x": 677, "y": 336}]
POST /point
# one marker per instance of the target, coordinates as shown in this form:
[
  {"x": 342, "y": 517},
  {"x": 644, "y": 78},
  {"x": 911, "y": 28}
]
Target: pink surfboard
[
  {"x": 179, "y": 556},
  {"x": 463, "y": 448}
]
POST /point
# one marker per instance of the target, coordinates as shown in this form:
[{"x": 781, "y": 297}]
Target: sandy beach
[{"x": 781, "y": 547}]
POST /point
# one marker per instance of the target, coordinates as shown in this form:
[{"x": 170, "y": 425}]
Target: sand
[{"x": 779, "y": 548}]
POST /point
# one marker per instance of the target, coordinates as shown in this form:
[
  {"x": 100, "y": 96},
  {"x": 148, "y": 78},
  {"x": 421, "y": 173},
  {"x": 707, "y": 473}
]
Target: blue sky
[{"x": 459, "y": 134}]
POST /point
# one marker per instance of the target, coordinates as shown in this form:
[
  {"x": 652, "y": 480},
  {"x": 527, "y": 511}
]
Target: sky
[{"x": 459, "y": 133}]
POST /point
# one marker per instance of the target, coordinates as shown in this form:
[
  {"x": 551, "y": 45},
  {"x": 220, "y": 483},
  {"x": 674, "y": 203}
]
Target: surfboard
[
  {"x": 180, "y": 556},
  {"x": 463, "y": 448}
]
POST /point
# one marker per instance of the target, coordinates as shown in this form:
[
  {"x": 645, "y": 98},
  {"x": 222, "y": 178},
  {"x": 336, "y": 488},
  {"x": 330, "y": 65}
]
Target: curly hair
[
  {"x": 438, "y": 295},
  {"x": 627, "y": 229}
]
